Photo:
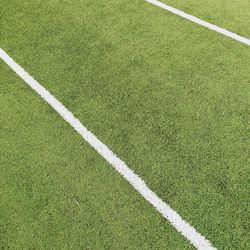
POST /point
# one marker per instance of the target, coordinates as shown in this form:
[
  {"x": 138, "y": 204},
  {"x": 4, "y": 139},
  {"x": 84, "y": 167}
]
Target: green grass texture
[
  {"x": 228, "y": 14},
  {"x": 169, "y": 97},
  {"x": 57, "y": 192}
]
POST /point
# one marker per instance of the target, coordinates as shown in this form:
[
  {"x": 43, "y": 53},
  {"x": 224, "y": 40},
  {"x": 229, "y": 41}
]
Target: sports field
[{"x": 157, "y": 154}]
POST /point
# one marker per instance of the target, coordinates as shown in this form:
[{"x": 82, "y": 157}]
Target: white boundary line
[
  {"x": 200, "y": 21},
  {"x": 164, "y": 209}
]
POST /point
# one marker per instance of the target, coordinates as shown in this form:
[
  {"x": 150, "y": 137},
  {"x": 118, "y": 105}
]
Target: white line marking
[
  {"x": 164, "y": 209},
  {"x": 200, "y": 22}
]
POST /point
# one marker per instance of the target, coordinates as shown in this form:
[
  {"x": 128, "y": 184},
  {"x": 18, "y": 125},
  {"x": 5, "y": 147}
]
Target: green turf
[
  {"x": 228, "y": 14},
  {"x": 57, "y": 193},
  {"x": 171, "y": 98}
]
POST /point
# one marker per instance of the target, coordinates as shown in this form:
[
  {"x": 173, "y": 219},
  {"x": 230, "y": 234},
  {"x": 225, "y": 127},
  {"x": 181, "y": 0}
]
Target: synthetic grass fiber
[{"x": 169, "y": 97}]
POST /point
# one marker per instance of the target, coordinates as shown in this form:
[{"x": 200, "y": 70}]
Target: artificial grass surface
[
  {"x": 228, "y": 14},
  {"x": 58, "y": 193},
  {"x": 171, "y": 98}
]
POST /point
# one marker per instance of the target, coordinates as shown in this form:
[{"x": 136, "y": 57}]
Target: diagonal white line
[
  {"x": 200, "y": 22},
  {"x": 194, "y": 237}
]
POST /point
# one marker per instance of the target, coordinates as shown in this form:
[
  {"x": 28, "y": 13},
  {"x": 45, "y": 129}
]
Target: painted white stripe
[
  {"x": 200, "y": 22},
  {"x": 164, "y": 209}
]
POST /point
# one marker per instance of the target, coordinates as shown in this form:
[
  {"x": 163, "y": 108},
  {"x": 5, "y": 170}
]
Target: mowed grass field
[
  {"x": 169, "y": 97},
  {"x": 229, "y": 14},
  {"x": 57, "y": 192}
]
